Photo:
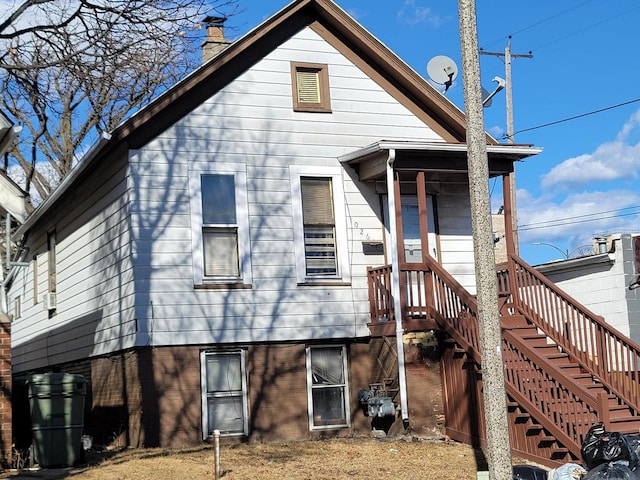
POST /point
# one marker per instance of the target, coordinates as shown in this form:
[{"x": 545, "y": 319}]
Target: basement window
[
  {"x": 327, "y": 387},
  {"x": 310, "y": 83}
]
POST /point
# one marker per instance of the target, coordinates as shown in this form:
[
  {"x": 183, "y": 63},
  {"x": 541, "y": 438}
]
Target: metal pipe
[{"x": 395, "y": 287}]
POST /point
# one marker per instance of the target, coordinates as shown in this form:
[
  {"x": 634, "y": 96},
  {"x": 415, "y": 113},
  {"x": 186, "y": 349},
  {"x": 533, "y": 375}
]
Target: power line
[
  {"x": 573, "y": 118},
  {"x": 580, "y": 219},
  {"x": 537, "y": 23},
  {"x": 585, "y": 28}
]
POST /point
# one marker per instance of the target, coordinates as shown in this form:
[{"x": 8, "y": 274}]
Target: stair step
[
  {"x": 521, "y": 417},
  {"x": 627, "y": 425},
  {"x": 541, "y": 343},
  {"x": 560, "y": 453},
  {"x": 514, "y": 321},
  {"x": 550, "y": 351},
  {"x": 534, "y": 429},
  {"x": 581, "y": 377},
  {"x": 545, "y": 440},
  {"x": 571, "y": 369}
]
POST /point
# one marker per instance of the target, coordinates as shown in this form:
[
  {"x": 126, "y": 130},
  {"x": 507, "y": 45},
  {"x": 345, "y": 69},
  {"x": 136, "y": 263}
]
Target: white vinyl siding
[
  {"x": 94, "y": 278},
  {"x": 327, "y": 387},
  {"x": 320, "y": 234},
  {"x": 127, "y": 259},
  {"x": 220, "y": 224},
  {"x": 224, "y": 393}
]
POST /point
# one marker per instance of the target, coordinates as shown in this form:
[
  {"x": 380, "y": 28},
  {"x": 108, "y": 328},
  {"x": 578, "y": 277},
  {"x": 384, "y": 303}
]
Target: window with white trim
[
  {"x": 327, "y": 387},
  {"x": 220, "y": 225},
  {"x": 320, "y": 234},
  {"x": 17, "y": 307},
  {"x": 51, "y": 255},
  {"x": 224, "y": 393}
]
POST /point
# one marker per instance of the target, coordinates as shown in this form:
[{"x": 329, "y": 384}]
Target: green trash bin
[{"x": 56, "y": 402}]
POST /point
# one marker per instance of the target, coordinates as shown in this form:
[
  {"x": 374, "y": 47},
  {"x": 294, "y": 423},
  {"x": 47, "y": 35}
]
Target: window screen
[{"x": 319, "y": 226}]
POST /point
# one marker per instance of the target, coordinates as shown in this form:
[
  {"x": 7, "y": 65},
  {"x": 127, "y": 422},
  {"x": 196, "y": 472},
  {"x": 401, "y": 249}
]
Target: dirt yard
[{"x": 326, "y": 460}]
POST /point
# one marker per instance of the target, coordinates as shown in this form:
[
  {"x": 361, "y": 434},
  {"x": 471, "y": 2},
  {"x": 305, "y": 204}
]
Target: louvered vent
[{"x": 308, "y": 85}]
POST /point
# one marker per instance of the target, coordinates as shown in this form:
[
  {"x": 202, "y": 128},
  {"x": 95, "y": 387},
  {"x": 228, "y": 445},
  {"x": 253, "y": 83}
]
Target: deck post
[
  {"x": 423, "y": 213},
  {"x": 508, "y": 215}
]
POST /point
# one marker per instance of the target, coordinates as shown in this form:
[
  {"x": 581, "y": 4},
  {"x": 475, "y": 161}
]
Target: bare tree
[{"x": 72, "y": 69}]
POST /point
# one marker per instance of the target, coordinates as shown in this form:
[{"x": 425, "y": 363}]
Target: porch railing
[
  {"x": 426, "y": 290},
  {"x": 606, "y": 353}
]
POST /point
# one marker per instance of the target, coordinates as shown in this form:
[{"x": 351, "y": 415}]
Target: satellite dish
[{"x": 442, "y": 70}]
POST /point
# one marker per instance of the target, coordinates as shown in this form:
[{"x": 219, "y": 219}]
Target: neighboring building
[
  {"x": 607, "y": 282},
  {"x": 13, "y": 206},
  {"x": 205, "y": 265}
]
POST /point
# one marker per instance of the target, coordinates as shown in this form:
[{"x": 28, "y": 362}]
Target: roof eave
[
  {"x": 518, "y": 152},
  {"x": 82, "y": 165}
]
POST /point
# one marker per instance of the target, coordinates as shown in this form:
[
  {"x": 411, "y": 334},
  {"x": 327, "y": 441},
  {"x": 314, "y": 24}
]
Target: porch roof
[{"x": 370, "y": 161}]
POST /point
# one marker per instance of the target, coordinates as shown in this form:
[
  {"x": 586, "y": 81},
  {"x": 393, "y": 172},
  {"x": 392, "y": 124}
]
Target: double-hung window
[
  {"x": 319, "y": 225},
  {"x": 327, "y": 387},
  {"x": 224, "y": 398},
  {"x": 220, "y": 226}
]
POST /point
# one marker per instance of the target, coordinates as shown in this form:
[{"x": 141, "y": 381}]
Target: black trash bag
[
  {"x": 634, "y": 446},
  {"x": 600, "y": 446},
  {"x": 612, "y": 471},
  {"x": 591, "y": 446}
]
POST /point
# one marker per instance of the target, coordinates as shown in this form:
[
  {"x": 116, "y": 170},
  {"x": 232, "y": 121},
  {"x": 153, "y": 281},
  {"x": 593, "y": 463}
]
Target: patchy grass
[{"x": 311, "y": 460}]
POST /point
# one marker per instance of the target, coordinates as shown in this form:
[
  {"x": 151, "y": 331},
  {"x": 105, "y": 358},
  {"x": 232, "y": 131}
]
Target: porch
[
  {"x": 565, "y": 367},
  {"x": 424, "y": 188}
]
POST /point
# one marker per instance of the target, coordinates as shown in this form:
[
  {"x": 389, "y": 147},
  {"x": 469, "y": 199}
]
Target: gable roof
[{"x": 328, "y": 20}]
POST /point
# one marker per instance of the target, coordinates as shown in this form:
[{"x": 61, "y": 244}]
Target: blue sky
[{"x": 585, "y": 58}]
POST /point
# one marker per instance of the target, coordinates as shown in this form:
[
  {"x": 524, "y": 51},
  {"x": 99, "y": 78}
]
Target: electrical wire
[
  {"x": 600, "y": 110},
  {"x": 535, "y": 24},
  {"x": 580, "y": 219},
  {"x": 588, "y": 27}
]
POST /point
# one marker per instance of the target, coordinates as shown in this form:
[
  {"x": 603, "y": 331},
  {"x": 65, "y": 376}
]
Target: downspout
[
  {"x": 4, "y": 303},
  {"x": 395, "y": 288}
]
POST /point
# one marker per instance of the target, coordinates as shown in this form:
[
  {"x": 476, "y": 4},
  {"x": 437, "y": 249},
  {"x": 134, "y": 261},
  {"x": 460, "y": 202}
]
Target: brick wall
[
  {"x": 151, "y": 396},
  {"x": 6, "y": 435}
]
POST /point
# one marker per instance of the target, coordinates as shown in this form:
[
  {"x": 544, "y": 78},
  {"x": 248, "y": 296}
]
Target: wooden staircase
[{"x": 565, "y": 367}]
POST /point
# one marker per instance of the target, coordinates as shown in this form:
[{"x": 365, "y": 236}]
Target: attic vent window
[{"x": 310, "y": 83}]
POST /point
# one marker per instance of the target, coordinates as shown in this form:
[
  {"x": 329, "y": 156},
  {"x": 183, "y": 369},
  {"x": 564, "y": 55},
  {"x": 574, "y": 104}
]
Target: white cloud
[
  {"x": 497, "y": 132},
  {"x": 615, "y": 160},
  {"x": 411, "y": 14},
  {"x": 577, "y": 217}
]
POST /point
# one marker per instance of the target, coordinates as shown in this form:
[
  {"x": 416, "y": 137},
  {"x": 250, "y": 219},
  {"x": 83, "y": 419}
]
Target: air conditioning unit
[{"x": 50, "y": 301}]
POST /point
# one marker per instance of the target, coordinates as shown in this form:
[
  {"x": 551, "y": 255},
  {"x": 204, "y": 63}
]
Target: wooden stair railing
[
  {"x": 602, "y": 350},
  {"x": 560, "y": 403},
  {"x": 547, "y": 393}
]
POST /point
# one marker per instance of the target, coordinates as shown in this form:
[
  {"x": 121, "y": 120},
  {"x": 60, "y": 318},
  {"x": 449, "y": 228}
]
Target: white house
[{"x": 205, "y": 264}]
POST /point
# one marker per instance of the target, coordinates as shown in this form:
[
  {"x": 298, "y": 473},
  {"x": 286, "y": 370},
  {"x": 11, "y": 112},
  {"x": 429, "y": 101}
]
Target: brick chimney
[{"x": 215, "y": 41}]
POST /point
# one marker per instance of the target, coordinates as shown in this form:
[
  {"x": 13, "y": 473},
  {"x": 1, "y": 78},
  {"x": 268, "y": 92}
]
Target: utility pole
[
  {"x": 508, "y": 55},
  {"x": 494, "y": 391}
]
